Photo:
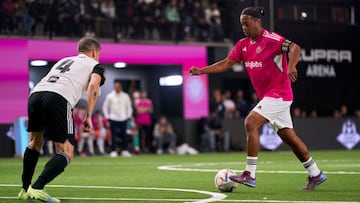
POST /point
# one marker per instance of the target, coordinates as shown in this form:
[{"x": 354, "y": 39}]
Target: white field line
[
  {"x": 190, "y": 167},
  {"x": 212, "y": 199},
  {"x": 214, "y": 196}
]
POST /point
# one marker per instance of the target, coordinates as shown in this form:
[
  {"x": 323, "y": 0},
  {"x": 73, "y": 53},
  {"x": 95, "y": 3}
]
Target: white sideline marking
[
  {"x": 215, "y": 196},
  {"x": 184, "y": 167},
  {"x": 212, "y": 199}
]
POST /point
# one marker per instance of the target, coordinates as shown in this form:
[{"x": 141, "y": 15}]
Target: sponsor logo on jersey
[
  {"x": 244, "y": 49},
  {"x": 253, "y": 64}
]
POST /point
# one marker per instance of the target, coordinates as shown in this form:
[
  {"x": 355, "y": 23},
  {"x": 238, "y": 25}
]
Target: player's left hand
[
  {"x": 88, "y": 124},
  {"x": 292, "y": 73}
]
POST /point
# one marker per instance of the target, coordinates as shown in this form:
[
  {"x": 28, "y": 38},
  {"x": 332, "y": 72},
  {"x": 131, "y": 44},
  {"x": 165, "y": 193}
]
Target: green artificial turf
[{"x": 280, "y": 177}]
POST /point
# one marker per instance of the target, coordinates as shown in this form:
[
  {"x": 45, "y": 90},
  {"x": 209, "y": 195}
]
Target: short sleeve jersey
[
  {"x": 266, "y": 64},
  {"x": 69, "y": 78}
]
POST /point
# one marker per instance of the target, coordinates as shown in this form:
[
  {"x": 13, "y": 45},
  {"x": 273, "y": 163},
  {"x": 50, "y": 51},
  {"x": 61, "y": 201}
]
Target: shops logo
[
  {"x": 269, "y": 139},
  {"x": 348, "y": 136},
  {"x": 253, "y": 64}
]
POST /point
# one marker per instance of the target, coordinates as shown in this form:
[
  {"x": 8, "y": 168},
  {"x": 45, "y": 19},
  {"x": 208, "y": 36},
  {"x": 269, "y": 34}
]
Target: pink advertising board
[{"x": 14, "y": 69}]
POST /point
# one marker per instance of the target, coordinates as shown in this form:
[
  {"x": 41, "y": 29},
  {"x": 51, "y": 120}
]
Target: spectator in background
[
  {"x": 52, "y": 22},
  {"x": 357, "y": 113},
  {"x": 22, "y": 15},
  {"x": 133, "y": 132},
  {"x": 229, "y": 104},
  {"x": 159, "y": 19},
  {"x": 185, "y": 25},
  {"x": 342, "y": 112},
  {"x": 215, "y": 136},
  {"x": 201, "y": 28},
  {"x": 7, "y": 16},
  {"x": 172, "y": 18},
  {"x": 145, "y": 24},
  {"x": 144, "y": 109},
  {"x": 39, "y": 10},
  {"x": 254, "y": 100},
  {"x": 164, "y": 134},
  {"x": 213, "y": 19},
  {"x": 216, "y": 104},
  {"x": 104, "y": 22},
  {"x": 89, "y": 138},
  {"x": 101, "y": 128},
  {"x": 313, "y": 114},
  {"x": 69, "y": 18},
  {"x": 88, "y": 14},
  {"x": 297, "y": 112},
  {"x": 117, "y": 109},
  {"x": 241, "y": 104},
  {"x": 125, "y": 12}
]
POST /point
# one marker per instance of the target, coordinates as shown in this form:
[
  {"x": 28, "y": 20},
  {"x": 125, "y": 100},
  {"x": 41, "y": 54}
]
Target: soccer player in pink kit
[{"x": 264, "y": 56}]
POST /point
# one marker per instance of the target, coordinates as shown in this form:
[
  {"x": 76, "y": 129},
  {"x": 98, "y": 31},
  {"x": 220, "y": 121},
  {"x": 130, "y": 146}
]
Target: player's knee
[{"x": 250, "y": 123}]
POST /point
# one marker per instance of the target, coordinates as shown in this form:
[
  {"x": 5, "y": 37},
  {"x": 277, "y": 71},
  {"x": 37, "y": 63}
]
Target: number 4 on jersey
[{"x": 65, "y": 66}]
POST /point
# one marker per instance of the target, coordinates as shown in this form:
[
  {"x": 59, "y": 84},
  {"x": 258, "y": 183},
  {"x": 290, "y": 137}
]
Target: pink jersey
[
  {"x": 266, "y": 64},
  {"x": 144, "y": 118}
]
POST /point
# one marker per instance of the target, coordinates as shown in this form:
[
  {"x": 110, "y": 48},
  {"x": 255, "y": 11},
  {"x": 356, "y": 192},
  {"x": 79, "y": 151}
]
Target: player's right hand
[
  {"x": 195, "y": 71},
  {"x": 88, "y": 124}
]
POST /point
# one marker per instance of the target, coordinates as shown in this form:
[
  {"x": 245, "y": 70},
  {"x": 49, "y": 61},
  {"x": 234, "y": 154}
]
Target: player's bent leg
[
  {"x": 54, "y": 167},
  {"x": 299, "y": 148},
  {"x": 31, "y": 157},
  {"x": 252, "y": 123},
  {"x": 316, "y": 177}
]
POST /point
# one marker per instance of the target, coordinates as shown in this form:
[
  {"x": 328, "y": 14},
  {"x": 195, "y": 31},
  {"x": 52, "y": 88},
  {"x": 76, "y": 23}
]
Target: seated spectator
[
  {"x": 26, "y": 21},
  {"x": 38, "y": 10},
  {"x": 104, "y": 22},
  {"x": 172, "y": 18},
  {"x": 241, "y": 104},
  {"x": 164, "y": 136},
  {"x": 201, "y": 27},
  {"x": 88, "y": 14},
  {"x": 145, "y": 21},
  {"x": 216, "y": 103},
  {"x": 133, "y": 132},
  {"x": 229, "y": 104},
  {"x": 214, "y": 136},
  {"x": 213, "y": 19},
  {"x": 159, "y": 19},
  {"x": 102, "y": 130},
  {"x": 7, "y": 16}
]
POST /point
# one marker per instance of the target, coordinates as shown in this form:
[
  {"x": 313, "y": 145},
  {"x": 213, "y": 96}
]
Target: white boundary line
[
  {"x": 183, "y": 167},
  {"x": 215, "y": 196}
]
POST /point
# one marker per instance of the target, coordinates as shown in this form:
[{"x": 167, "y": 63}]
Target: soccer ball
[{"x": 223, "y": 182}]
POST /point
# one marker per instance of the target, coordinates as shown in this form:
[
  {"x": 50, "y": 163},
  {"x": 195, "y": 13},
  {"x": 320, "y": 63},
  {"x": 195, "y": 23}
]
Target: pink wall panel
[{"x": 15, "y": 55}]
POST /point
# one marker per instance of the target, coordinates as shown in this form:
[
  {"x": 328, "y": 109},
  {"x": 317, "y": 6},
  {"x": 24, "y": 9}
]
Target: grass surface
[{"x": 138, "y": 179}]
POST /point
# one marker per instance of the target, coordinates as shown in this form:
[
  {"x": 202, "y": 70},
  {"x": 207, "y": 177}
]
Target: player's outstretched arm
[
  {"x": 294, "y": 56},
  {"x": 92, "y": 97},
  {"x": 218, "y": 67}
]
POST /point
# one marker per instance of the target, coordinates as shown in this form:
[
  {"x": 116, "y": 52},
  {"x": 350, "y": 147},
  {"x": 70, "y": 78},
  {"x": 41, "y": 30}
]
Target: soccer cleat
[
  {"x": 22, "y": 194},
  {"x": 245, "y": 179},
  {"x": 313, "y": 182},
  {"x": 40, "y": 195}
]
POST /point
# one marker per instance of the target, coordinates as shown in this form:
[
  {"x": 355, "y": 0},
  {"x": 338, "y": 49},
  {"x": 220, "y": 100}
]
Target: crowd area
[{"x": 176, "y": 20}]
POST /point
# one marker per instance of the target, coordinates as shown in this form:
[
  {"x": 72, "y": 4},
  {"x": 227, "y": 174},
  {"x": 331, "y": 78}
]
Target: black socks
[
  {"x": 53, "y": 168},
  {"x": 31, "y": 157}
]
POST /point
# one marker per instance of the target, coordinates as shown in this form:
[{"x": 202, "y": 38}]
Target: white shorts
[{"x": 276, "y": 111}]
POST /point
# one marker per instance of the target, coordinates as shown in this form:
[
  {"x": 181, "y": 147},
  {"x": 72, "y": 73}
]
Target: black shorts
[{"x": 51, "y": 113}]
